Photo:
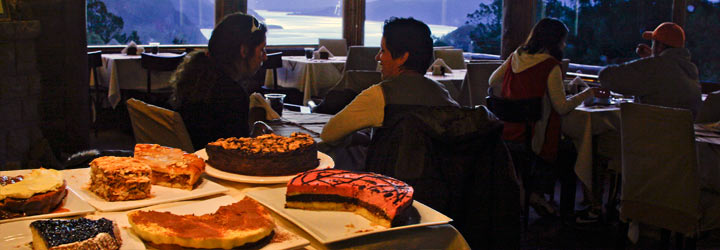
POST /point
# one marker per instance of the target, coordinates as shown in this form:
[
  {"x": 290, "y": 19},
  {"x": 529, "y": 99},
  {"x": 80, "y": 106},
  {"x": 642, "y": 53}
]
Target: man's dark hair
[{"x": 412, "y": 36}]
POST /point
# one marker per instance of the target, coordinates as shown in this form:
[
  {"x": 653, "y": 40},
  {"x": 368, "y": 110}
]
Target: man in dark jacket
[{"x": 664, "y": 76}]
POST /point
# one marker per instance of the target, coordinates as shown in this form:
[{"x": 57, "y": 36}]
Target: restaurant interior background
[{"x": 602, "y": 31}]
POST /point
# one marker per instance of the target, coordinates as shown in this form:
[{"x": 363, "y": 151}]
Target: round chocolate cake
[{"x": 265, "y": 155}]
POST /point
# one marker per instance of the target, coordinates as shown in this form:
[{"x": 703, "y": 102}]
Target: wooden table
[{"x": 293, "y": 121}]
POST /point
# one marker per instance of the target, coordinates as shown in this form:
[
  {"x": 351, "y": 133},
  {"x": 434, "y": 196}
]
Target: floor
[{"x": 115, "y": 132}]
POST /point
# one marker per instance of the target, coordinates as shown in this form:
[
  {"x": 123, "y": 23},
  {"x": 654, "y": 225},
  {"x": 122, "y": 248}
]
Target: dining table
[
  {"x": 313, "y": 77},
  {"x": 125, "y": 72},
  {"x": 596, "y": 130},
  {"x": 453, "y": 82}
]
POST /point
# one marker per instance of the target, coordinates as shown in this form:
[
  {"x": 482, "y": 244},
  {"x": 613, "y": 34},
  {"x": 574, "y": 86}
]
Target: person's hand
[
  {"x": 643, "y": 50},
  {"x": 260, "y": 128}
]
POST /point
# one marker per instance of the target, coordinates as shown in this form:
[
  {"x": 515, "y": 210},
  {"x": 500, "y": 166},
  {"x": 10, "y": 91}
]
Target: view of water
[{"x": 297, "y": 29}]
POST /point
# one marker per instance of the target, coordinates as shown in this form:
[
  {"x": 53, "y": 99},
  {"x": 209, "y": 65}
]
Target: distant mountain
[
  {"x": 428, "y": 11},
  {"x": 161, "y": 20},
  {"x": 292, "y": 5}
]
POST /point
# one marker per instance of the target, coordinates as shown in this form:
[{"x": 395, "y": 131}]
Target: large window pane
[
  {"x": 142, "y": 21},
  {"x": 299, "y": 21},
  {"x": 702, "y": 31},
  {"x": 606, "y": 32},
  {"x": 451, "y": 21}
]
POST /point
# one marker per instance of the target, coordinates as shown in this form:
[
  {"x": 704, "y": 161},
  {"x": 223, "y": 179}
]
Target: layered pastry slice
[
  {"x": 230, "y": 226},
  {"x": 171, "y": 167},
  {"x": 378, "y": 198},
  {"x": 39, "y": 192},
  {"x": 120, "y": 178},
  {"x": 80, "y": 234}
]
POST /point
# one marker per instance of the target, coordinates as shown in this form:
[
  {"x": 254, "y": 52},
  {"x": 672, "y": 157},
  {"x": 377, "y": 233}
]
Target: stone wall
[
  {"x": 56, "y": 89},
  {"x": 19, "y": 92}
]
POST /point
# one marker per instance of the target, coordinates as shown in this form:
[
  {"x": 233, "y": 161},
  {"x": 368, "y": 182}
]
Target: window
[
  {"x": 300, "y": 21},
  {"x": 702, "y": 29},
  {"x": 115, "y": 22},
  {"x": 451, "y": 21}
]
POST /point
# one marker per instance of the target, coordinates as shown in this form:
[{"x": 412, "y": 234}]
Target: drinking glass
[
  {"x": 276, "y": 102},
  {"x": 308, "y": 53},
  {"x": 155, "y": 47}
]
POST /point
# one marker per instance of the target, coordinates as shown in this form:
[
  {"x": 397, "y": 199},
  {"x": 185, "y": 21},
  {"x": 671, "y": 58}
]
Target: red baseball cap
[{"x": 668, "y": 33}]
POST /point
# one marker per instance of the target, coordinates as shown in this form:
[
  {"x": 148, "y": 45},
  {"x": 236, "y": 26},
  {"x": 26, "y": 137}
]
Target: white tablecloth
[
  {"x": 581, "y": 125},
  {"x": 121, "y": 71},
  {"x": 312, "y": 77}
]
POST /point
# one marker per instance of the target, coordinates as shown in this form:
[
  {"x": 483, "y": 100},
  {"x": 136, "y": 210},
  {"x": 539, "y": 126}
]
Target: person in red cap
[{"x": 663, "y": 76}]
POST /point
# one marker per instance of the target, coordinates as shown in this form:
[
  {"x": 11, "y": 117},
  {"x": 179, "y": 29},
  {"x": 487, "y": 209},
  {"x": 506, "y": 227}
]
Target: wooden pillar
[
  {"x": 517, "y": 21},
  {"x": 679, "y": 12},
  {"x": 354, "y": 22},
  {"x": 225, "y": 7}
]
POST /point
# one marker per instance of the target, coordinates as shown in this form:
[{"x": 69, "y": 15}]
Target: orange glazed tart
[
  {"x": 230, "y": 226},
  {"x": 171, "y": 167},
  {"x": 378, "y": 198},
  {"x": 265, "y": 155}
]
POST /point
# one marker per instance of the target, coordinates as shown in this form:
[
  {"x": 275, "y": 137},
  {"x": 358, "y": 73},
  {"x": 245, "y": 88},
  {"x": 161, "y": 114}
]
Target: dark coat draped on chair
[{"x": 457, "y": 163}]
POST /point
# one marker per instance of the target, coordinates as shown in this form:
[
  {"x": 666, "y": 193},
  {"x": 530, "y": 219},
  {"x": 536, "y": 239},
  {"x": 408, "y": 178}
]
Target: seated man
[
  {"x": 405, "y": 54},
  {"x": 664, "y": 76}
]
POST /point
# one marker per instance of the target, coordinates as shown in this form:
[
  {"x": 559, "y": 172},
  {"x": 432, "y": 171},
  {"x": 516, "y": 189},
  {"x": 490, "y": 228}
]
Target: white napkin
[
  {"x": 257, "y": 100},
  {"x": 441, "y": 63},
  {"x": 138, "y": 49},
  {"x": 316, "y": 54}
]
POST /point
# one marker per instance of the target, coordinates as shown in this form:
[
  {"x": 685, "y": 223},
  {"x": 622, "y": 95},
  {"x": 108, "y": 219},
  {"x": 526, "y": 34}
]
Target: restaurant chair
[
  {"x": 338, "y": 47},
  {"x": 153, "y": 124},
  {"x": 457, "y": 163},
  {"x": 274, "y": 62},
  {"x": 362, "y": 58},
  {"x": 476, "y": 83},
  {"x": 660, "y": 182},
  {"x": 96, "y": 91},
  {"x": 452, "y": 57},
  {"x": 710, "y": 109},
  {"x": 157, "y": 63}
]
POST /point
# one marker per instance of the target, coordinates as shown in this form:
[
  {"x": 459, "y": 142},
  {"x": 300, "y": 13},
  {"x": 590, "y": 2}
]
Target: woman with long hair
[
  {"x": 209, "y": 89},
  {"x": 534, "y": 71}
]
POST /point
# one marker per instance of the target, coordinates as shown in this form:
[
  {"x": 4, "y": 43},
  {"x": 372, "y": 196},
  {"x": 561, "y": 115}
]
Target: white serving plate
[
  {"x": 72, "y": 205},
  {"x": 332, "y": 226},
  {"x": 325, "y": 162},
  {"x": 79, "y": 180},
  {"x": 19, "y": 237},
  {"x": 288, "y": 240}
]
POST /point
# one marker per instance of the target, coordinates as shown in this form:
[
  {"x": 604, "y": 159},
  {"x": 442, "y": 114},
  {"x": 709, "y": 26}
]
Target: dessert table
[
  {"x": 121, "y": 71},
  {"x": 313, "y": 77}
]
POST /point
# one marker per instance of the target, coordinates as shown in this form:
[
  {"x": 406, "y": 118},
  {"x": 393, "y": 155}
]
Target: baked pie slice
[{"x": 171, "y": 167}]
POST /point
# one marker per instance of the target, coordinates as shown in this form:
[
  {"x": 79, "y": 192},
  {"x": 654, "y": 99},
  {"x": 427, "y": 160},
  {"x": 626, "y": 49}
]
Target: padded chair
[
  {"x": 476, "y": 83},
  {"x": 274, "y": 62},
  {"x": 338, "y": 47},
  {"x": 153, "y": 124},
  {"x": 528, "y": 111},
  {"x": 660, "y": 183},
  {"x": 96, "y": 91},
  {"x": 362, "y": 58},
  {"x": 710, "y": 109},
  {"x": 452, "y": 57},
  {"x": 155, "y": 62},
  {"x": 457, "y": 163}
]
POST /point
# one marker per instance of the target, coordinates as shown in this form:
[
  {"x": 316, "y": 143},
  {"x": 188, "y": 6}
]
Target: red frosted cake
[
  {"x": 265, "y": 155},
  {"x": 378, "y": 198}
]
